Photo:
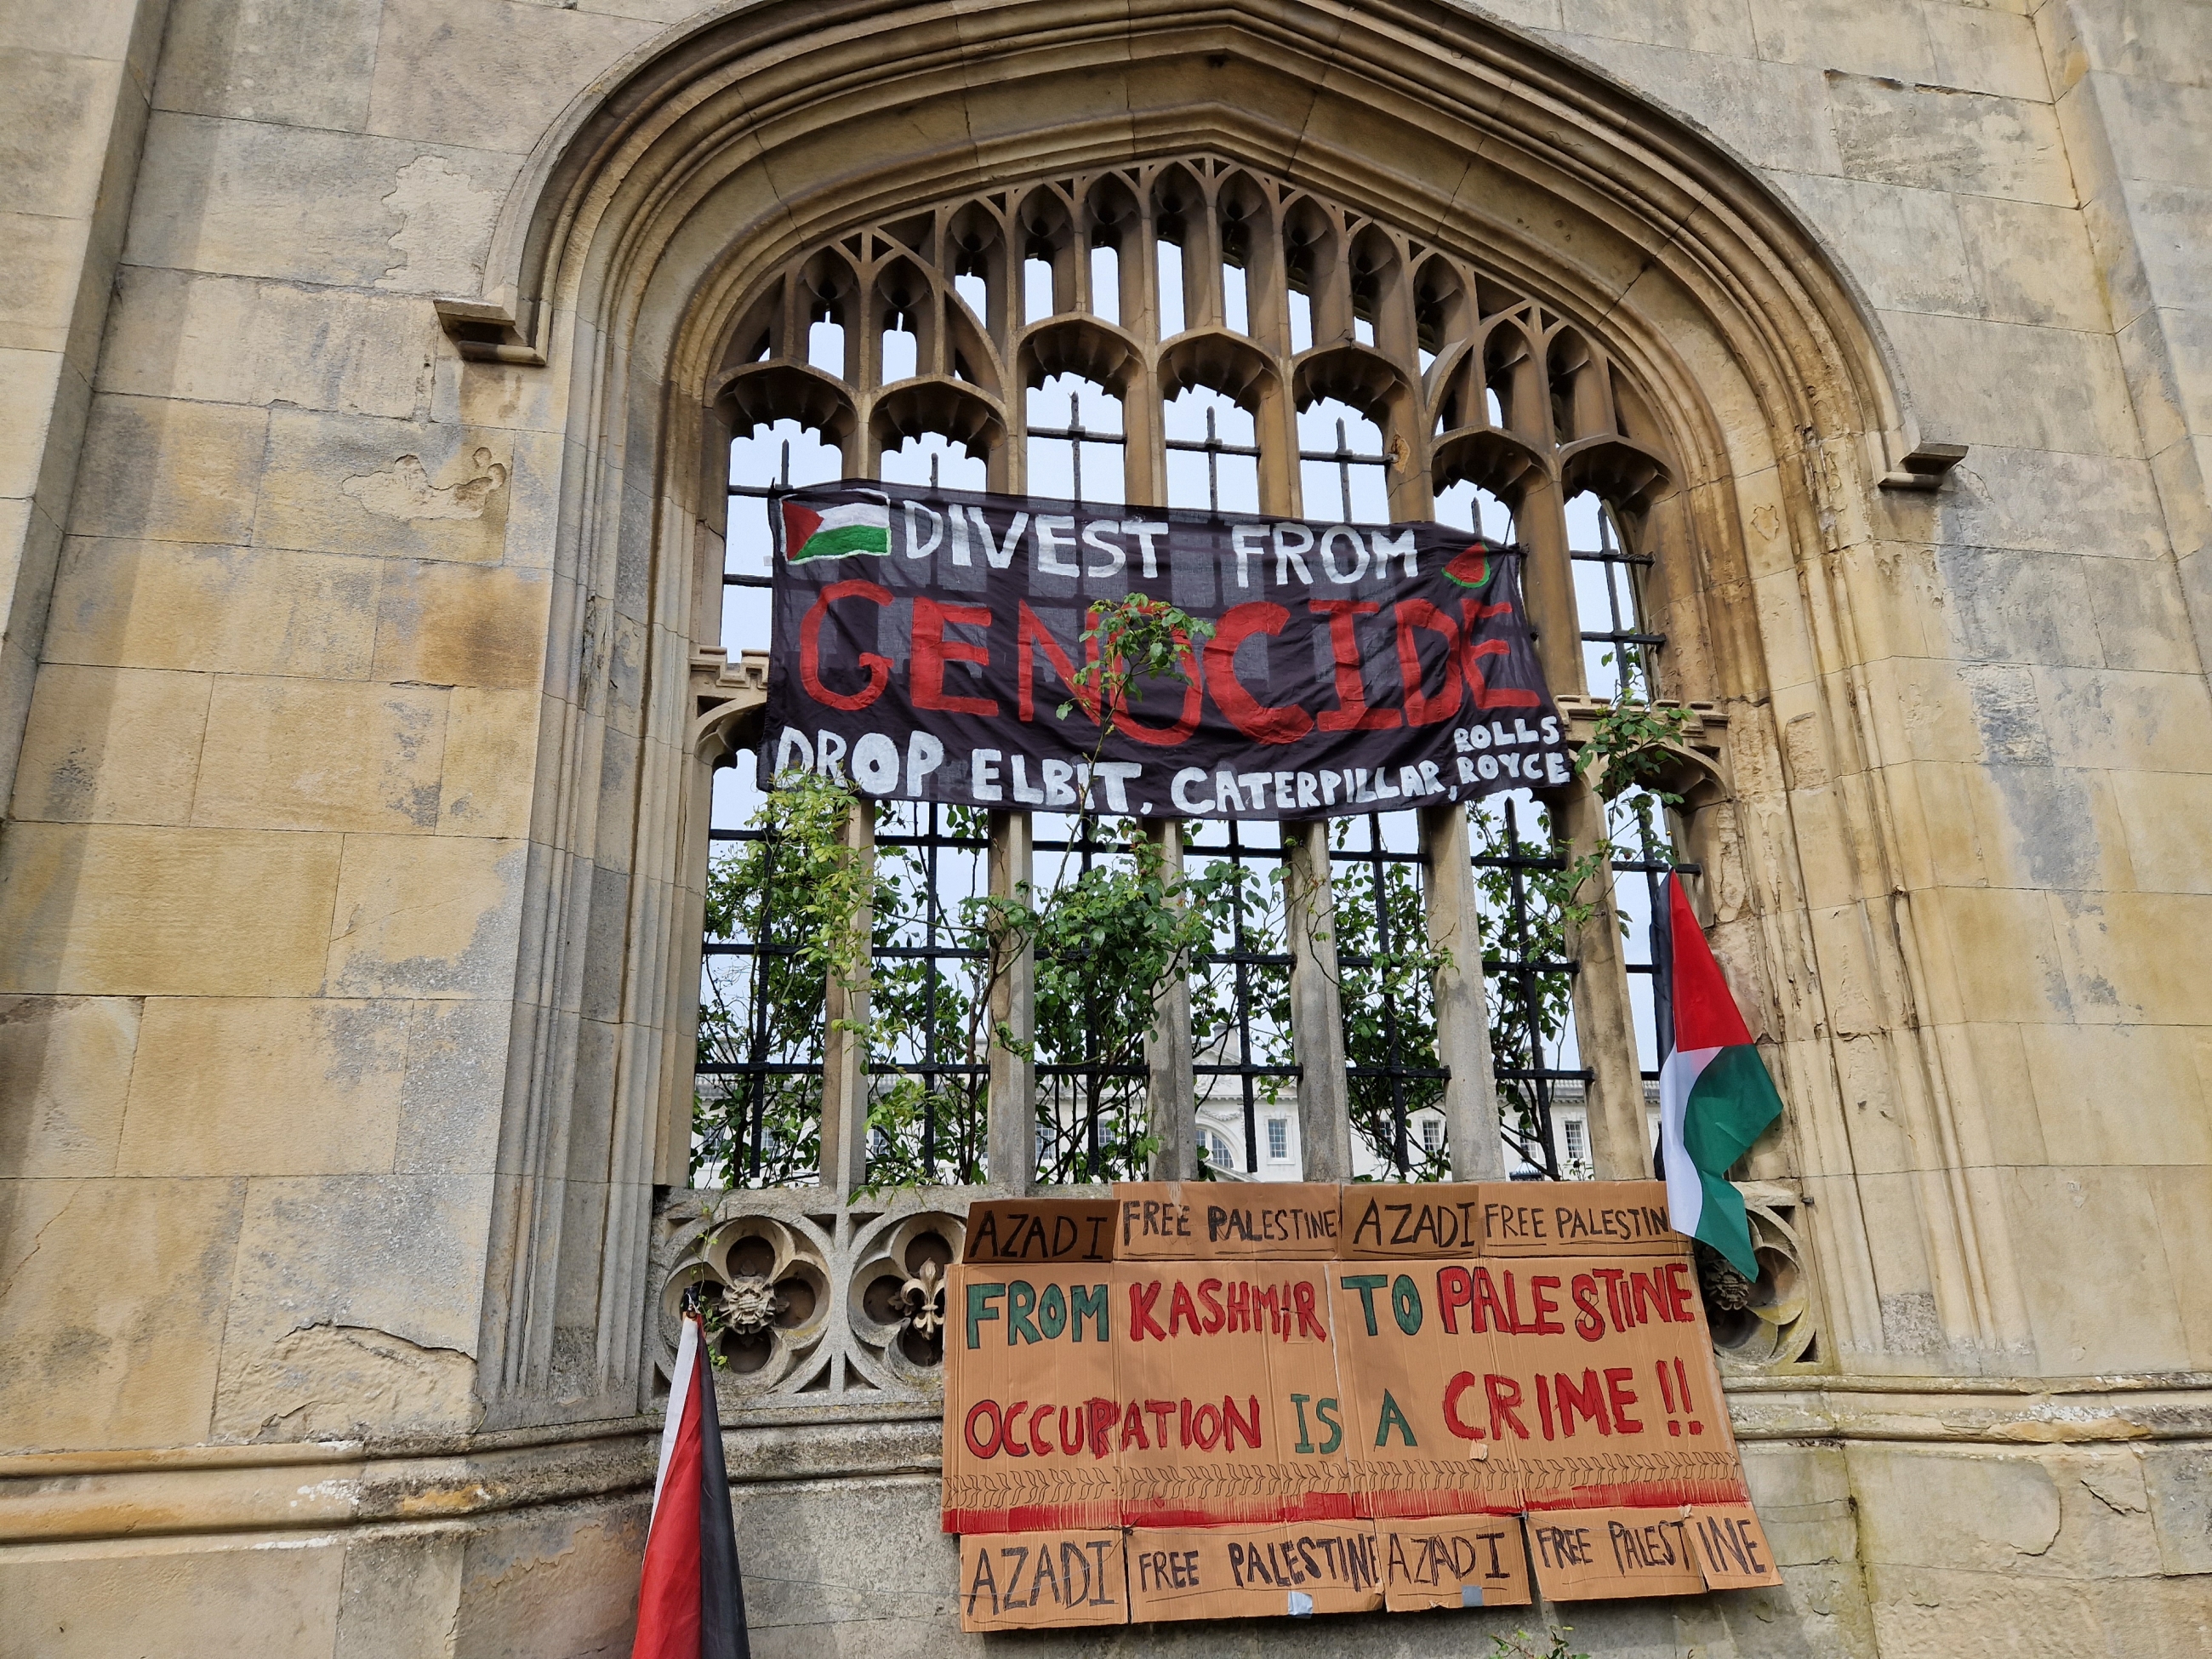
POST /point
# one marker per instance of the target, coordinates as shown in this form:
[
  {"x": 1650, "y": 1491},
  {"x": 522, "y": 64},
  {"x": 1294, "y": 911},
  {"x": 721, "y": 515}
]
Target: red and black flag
[{"x": 690, "y": 1604}]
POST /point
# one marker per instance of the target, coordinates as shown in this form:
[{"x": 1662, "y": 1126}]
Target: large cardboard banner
[
  {"x": 925, "y": 641},
  {"x": 1392, "y": 1376}
]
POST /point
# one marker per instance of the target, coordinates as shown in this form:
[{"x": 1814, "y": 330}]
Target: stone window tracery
[{"x": 1195, "y": 332}]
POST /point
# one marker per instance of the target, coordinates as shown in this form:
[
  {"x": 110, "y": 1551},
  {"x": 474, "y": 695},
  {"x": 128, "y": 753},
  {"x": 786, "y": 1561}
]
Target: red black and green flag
[
  {"x": 690, "y": 1604},
  {"x": 1715, "y": 1096}
]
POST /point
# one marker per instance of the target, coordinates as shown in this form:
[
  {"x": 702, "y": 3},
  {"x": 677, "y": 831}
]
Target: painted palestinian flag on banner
[
  {"x": 1715, "y": 1096},
  {"x": 835, "y": 532},
  {"x": 690, "y": 1604}
]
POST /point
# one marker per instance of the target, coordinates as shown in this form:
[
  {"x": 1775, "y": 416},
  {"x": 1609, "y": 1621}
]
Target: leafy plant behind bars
[
  {"x": 795, "y": 892},
  {"x": 1381, "y": 925}
]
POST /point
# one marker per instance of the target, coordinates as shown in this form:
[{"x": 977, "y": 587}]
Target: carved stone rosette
[
  {"x": 1771, "y": 1324},
  {"x": 811, "y": 1307}
]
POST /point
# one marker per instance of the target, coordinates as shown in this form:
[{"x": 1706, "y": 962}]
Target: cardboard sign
[
  {"x": 1603, "y": 1555},
  {"x": 1422, "y": 1219},
  {"x": 1221, "y": 1374},
  {"x": 1556, "y": 1217},
  {"x": 1031, "y": 1418},
  {"x": 1732, "y": 1549},
  {"x": 1453, "y": 1564},
  {"x": 1605, "y": 1393},
  {"x": 1040, "y": 1231},
  {"x": 1207, "y": 1220},
  {"x": 1253, "y": 1572},
  {"x": 1261, "y": 1362},
  {"x": 1043, "y": 1581}
]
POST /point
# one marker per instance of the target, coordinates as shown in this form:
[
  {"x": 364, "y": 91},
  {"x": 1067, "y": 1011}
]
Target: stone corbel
[
  {"x": 1701, "y": 732},
  {"x": 1918, "y": 462},
  {"x": 484, "y": 332},
  {"x": 729, "y": 702}
]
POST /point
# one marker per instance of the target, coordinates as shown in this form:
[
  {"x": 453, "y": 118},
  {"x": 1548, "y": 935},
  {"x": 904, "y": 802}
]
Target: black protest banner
[{"x": 926, "y": 642}]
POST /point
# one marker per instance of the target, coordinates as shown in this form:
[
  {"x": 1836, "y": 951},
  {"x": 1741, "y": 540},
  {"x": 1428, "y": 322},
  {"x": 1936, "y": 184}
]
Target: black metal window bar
[
  {"x": 1639, "y": 823},
  {"x": 1090, "y": 1105},
  {"x": 927, "y": 991},
  {"x": 1240, "y": 988},
  {"x": 1075, "y": 435},
  {"x": 760, "y": 1049},
  {"x": 1213, "y": 447},
  {"x": 1608, "y": 584},
  {"x": 1344, "y": 459},
  {"x": 1385, "y": 978},
  {"x": 1519, "y": 881}
]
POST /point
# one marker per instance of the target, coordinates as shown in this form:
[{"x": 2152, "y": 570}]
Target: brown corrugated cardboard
[{"x": 1043, "y": 1581}]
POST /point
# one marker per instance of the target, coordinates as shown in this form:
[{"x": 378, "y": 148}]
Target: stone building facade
[{"x": 371, "y": 366}]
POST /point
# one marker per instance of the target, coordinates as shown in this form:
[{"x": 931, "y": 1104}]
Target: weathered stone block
[
  {"x": 116, "y": 909},
  {"x": 1775, "y": 114},
  {"x": 111, "y": 745},
  {"x": 1939, "y": 139},
  {"x": 486, "y": 73},
  {"x": 1965, "y": 373},
  {"x": 41, "y": 258},
  {"x": 2059, "y": 502},
  {"x": 64, "y": 1075},
  {"x": 2079, "y": 1227},
  {"x": 285, "y": 754},
  {"x": 2164, "y": 816},
  {"x": 303, "y": 62},
  {"x": 173, "y": 1604},
  {"x": 455, "y": 1087},
  {"x": 560, "y": 1583},
  {"x": 426, "y": 916},
  {"x": 1879, "y": 39},
  {"x": 249, "y": 198},
  {"x": 2073, "y": 1069},
  {"x": 236, "y": 1085},
  {"x": 2131, "y": 721},
  {"x": 354, "y": 1307},
  {"x": 31, "y": 390},
  {"x": 157, "y": 605},
  {"x": 1982, "y": 48},
  {"x": 50, "y": 147},
  {"x": 347, "y": 484},
  {"x": 2031, "y": 264},
  {"x": 169, "y": 471},
  {"x": 400, "y": 1591},
  {"x": 1709, "y": 26},
  {"x": 134, "y": 1366},
  {"x": 490, "y": 760},
  {"x": 1904, "y": 245},
  {"x": 245, "y": 340},
  {"x": 443, "y": 624}
]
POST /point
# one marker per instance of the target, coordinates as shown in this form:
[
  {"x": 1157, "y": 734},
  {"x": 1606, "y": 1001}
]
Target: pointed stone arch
[{"x": 648, "y": 215}]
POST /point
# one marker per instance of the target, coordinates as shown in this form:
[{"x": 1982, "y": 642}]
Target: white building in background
[{"x": 1221, "y": 1135}]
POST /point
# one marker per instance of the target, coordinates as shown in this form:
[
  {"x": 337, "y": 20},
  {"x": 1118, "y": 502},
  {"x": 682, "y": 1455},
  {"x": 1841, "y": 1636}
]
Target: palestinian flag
[
  {"x": 861, "y": 526},
  {"x": 1714, "y": 1095},
  {"x": 689, "y": 1602}
]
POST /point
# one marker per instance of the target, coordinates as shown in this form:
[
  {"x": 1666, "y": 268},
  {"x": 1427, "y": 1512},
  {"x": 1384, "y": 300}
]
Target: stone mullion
[
  {"x": 844, "y": 1163},
  {"x": 1548, "y": 583},
  {"x": 1266, "y": 287},
  {"x": 1011, "y": 1130},
  {"x": 1316, "y": 1003},
  {"x": 1144, "y": 429},
  {"x": 1605, "y": 1024},
  {"x": 1201, "y": 265},
  {"x": 1463, "y": 1004},
  {"x": 1171, "y": 1090}
]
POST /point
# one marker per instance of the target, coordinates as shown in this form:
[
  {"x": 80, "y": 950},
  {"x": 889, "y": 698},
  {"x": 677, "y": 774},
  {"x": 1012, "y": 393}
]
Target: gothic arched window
[{"x": 1192, "y": 331}]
